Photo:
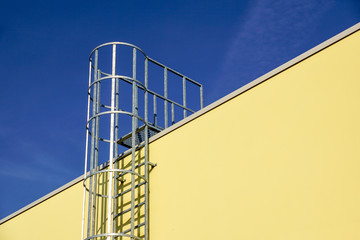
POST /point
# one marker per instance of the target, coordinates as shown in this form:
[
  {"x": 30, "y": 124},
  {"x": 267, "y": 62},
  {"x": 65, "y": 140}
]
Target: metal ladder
[{"x": 117, "y": 166}]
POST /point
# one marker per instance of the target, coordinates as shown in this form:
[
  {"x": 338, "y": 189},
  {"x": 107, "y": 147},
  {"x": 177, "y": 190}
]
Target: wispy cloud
[
  {"x": 272, "y": 31},
  {"x": 33, "y": 163},
  {"x": 35, "y": 171},
  {"x": 26, "y": 173}
]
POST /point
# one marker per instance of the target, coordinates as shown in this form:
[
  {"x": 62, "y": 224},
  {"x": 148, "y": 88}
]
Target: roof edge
[
  {"x": 42, "y": 199},
  {"x": 261, "y": 79}
]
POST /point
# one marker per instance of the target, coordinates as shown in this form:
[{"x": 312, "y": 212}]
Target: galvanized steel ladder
[{"x": 117, "y": 166}]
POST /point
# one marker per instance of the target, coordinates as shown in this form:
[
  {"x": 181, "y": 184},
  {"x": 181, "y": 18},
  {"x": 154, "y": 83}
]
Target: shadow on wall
[{"x": 122, "y": 203}]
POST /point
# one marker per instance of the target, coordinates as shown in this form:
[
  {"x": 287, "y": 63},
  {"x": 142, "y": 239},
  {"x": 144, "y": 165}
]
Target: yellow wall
[
  {"x": 280, "y": 161},
  {"x": 57, "y": 218}
]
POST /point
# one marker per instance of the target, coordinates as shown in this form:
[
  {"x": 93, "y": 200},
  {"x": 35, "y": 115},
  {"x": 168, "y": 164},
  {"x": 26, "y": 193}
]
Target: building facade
[{"x": 276, "y": 159}]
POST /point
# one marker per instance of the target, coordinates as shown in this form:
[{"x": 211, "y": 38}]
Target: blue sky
[{"x": 44, "y": 49}]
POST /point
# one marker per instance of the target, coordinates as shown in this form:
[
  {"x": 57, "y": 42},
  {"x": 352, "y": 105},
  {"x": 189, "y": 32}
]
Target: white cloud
[
  {"x": 272, "y": 31},
  {"x": 34, "y": 163}
]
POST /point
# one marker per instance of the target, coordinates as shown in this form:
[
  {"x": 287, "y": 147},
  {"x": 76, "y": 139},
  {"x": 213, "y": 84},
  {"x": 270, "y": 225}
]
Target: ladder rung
[
  {"x": 137, "y": 166},
  {"x": 137, "y": 226},
  {"x": 128, "y": 190},
  {"x": 129, "y": 209}
]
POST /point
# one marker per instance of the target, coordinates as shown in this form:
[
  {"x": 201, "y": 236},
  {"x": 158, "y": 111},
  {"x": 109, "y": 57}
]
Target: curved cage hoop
[{"x": 113, "y": 235}]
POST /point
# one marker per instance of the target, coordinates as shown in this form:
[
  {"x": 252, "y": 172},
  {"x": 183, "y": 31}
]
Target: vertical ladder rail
[
  {"x": 86, "y": 152},
  {"x": 111, "y": 150},
  {"x": 184, "y": 94},
  {"x": 146, "y": 154},
  {"x": 96, "y": 152},
  {"x": 133, "y": 144},
  {"x": 115, "y": 200},
  {"x": 165, "y": 95},
  {"x": 91, "y": 216}
]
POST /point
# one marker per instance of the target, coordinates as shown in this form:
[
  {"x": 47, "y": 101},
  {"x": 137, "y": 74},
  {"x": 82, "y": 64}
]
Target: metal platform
[{"x": 126, "y": 140}]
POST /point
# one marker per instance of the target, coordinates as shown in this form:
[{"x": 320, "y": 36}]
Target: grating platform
[{"x": 126, "y": 140}]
